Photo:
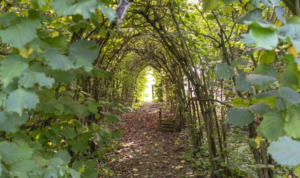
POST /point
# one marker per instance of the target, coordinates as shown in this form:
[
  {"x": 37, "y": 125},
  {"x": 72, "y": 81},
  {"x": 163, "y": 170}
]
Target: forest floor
[{"x": 147, "y": 152}]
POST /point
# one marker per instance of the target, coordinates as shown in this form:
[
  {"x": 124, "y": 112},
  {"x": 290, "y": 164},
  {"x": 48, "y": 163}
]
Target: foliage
[{"x": 48, "y": 122}]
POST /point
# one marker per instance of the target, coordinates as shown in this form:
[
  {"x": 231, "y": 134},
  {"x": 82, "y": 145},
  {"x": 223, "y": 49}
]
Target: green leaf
[
  {"x": 286, "y": 151},
  {"x": 264, "y": 69},
  {"x": 241, "y": 83},
  {"x": 12, "y": 153},
  {"x": 78, "y": 145},
  {"x": 78, "y": 166},
  {"x": 262, "y": 81},
  {"x": 84, "y": 52},
  {"x": 93, "y": 109},
  {"x": 12, "y": 66},
  {"x": 89, "y": 173},
  {"x": 272, "y": 126},
  {"x": 59, "y": 41},
  {"x": 263, "y": 37},
  {"x": 227, "y": 2},
  {"x": 73, "y": 173},
  {"x": 260, "y": 108},
  {"x": 90, "y": 164},
  {"x": 3, "y": 97},
  {"x": 94, "y": 127},
  {"x": 239, "y": 116},
  {"x": 108, "y": 12},
  {"x": 289, "y": 95},
  {"x": 84, "y": 8},
  {"x": 21, "y": 169},
  {"x": 250, "y": 16},
  {"x": 292, "y": 127},
  {"x": 279, "y": 14},
  {"x": 224, "y": 71},
  {"x": 59, "y": 6},
  {"x": 14, "y": 35},
  {"x": 58, "y": 61},
  {"x": 247, "y": 39},
  {"x": 85, "y": 137},
  {"x": 239, "y": 62},
  {"x": 271, "y": 93},
  {"x": 10, "y": 122},
  {"x": 64, "y": 155},
  {"x": 209, "y": 4},
  {"x": 267, "y": 57},
  {"x": 30, "y": 78},
  {"x": 111, "y": 118},
  {"x": 63, "y": 76},
  {"x": 53, "y": 137},
  {"x": 7, "y": 18},
  {"x": 21, "y": 99},
  {"x": 289, "y": 79},
  {"x": 68, "y": 132}
]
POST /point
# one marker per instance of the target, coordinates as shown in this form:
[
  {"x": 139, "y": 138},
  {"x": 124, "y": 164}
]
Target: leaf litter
[{"x": 147, "y": 152}]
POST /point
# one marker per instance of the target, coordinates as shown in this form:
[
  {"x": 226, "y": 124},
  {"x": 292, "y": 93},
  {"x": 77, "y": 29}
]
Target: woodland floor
[{"x": 146, "y": 151}]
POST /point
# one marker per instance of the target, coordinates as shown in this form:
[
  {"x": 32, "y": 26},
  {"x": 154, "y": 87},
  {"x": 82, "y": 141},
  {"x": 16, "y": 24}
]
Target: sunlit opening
[{"x": 148, "y": 90}]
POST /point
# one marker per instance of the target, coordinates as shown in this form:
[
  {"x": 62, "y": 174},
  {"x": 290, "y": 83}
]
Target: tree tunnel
[{"x": 216, "y": 62}]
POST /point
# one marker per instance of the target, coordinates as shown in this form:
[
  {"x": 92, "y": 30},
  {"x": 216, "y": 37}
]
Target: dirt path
[{"x": 147, "y": 152}]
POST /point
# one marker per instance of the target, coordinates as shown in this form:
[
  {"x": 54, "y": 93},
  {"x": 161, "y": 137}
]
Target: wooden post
[
  {"x": 159, "y": 120},
  {"x": 152, "y": 92}
]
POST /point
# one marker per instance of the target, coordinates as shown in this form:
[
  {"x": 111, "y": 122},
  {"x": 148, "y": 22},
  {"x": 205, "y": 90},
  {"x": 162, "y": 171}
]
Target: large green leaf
[
  {"x": 239, "y": 62},
  {"x": 289, "y": 95},
  {"x": 239, "y": 116},
  {"x": 260, "y": 108},
  {"x": 78, "y": 145},
  {"x": 241, "y": 83},
  {"x": 286, "y": 151},
  {"x": 262, "y": 81},
  {"x": 64, "y": 155},
  {"x": 12, "y": 66},
  {"x": 89, "y": 173},
  {"x": 10, "y": 122},
  {"x": 264, "y": 37},
  {"x": 264, "y": 69},
  {"x": 53, "y": 137},
  {"x": 289, "y": 79},
  {"x": 209, "y": 4},
  {"x": 68, "y": 132},
  {"x": 227, "y": 2},
  {"x": 59, "y": 6},
  {"x": 292, "y": 127},
  {"x": 30, "y": 78},
  {"x": 279, "y": 14},
  {"x": 21, "y": 99},
  {"x": 267, "y": 57},
  {"x": 84, "y": 8},
  {"x": 108, "y": 12},
  {"x": 20, "y": 34},
  {"x": 84, "y": 52},
  {"x": 21, "y": 169},
  {"x": 12, "y": 153},
  {"x": 73, "y": 173},
  {"x": 58, "y": 61},
  {"x": 224, "y": 71},
  {"x": 271, "y": 93},
  {"x": 250, "y": 16},
  {"x": 63, "y": 76},
  {"x": 3, "y": 97},
  {"x": 7, "y": 18},
  {"x": 272, "y": 126}
]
